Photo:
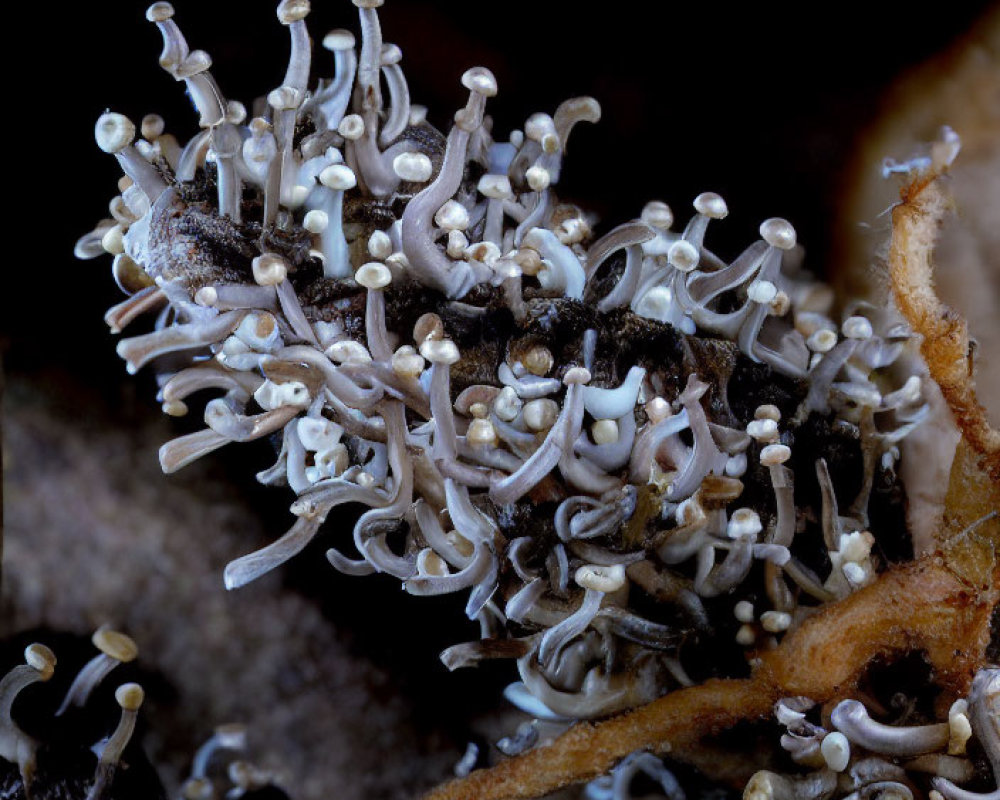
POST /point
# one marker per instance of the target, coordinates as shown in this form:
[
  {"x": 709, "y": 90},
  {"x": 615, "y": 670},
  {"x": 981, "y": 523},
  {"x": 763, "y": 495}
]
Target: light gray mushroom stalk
[{"x": 593, "y": 438}]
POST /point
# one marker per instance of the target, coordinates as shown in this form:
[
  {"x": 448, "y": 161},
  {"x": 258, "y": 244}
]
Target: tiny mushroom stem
[
  {"x": 399, "y": 92},
  {"x": 851, "y": 718},
  {"x": 335, "y": 179},
  {"x": 15, "y": 745},
  {"x": 429, "y": 264},
  {"x": 227, "y": 144},
  {"x": 293, "y": 13},
  {"x": 375, "y": 277},
  {"x": 285, "y": 100},
  {"x": 332, "y": 101},
  {"x": 369, "y": 97},
  {"x": 116, "y": 648},
  {"x": 129, "y": 697},
  {"x": 190, "y": 66}
]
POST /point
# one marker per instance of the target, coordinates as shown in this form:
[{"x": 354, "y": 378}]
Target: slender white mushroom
[
  {"x": 427, "y": 262},
  {"x": 399, "y": 95},
  {"x": 335, "y": 179},
  {"x": 116, "y": 648},
  {"x": 190, "y": 66},
  {"x": 129, "y": 697},
  {"x": 851, "y": 718},
  {"x": 114, "y": 134},
  {"x": 15, "y": 745}
]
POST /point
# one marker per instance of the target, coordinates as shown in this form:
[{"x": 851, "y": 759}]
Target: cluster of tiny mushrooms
[
  {"x": 205, "y": 781},
  {"x": 17, "y": 747},
  {"x": 334, "y": 266}
]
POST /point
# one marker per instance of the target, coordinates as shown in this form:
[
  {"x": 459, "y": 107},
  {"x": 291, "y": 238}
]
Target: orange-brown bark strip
[
  {"x": 945, "y": 345},
  {"x": 922, "y": 606}
]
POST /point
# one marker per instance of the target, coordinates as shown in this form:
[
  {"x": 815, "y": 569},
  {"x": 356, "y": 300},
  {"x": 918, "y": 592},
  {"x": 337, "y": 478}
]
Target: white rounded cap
[
  {"x": 480, "y": 80},
  {"x": 379, "y": 245},
  {"x": 348, "y": 351},
  {"x": 538, "y": 178},
  {"x": 481, "y": 433},
  {"x": 775, "y": 621},
  {"x": 857, "y": 328},
  {"x": 657, "y": 214},
  {"x": 538, "y": 126},
  {"x": 657, "y": 409},
  {"x": 711, "y": 205},
  {"x": 269, "y": 269},
  {"x": 316, "y": 221},
  {"x": 130, "y": 696},
  {"x": 775, "y": 454},
  {"x": 836, "y": 751},
  {"x": 762, "y": 291},
  {"x": 368, "y": 3},
  {"x": 40, "y": 658},
  {"x": 763, "y": 430},
  {"x": 339, "y": 39},
  {"x": 496, "y": 187},
  {"x": 683, "y": 255},
  {"x": 339, "y": 177},
  {"x": 540, "y": 414},
  {"x": 391, "y": 54},
  {"x": 284, "y": 98},
  {"x": 152, "y": 126},
  {"x": 236, "y": 112},
  {"x": 743, "y": 611},
  {"x": 373, "y": 275},
  {"x": 114, "y": 132},
  {"x": 119, "y": 646},
  {"x": 415, "y": 167},
  {"x": 352, "y": 127},
  {"x": 576, "y": 375},
  {"x": 407, "y": 362},
  {"x": 290, "y": 11},
  {"x": 538, "y": 360},
  {"x": 452, "y": 216},
  {"x": 743, "y": 522},
  {"x": 822, "y": 340},
  {"x": 604, "y": 431},
  {"x": 778, "y": 233},
  {"x": 439, "y": 351},
  {"x": 159, "y": 12},
  {"x": 601, "y": 578}
]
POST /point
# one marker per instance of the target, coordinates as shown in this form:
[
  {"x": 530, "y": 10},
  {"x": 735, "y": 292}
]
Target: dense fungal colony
[{"x": 643, "y": 463}]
